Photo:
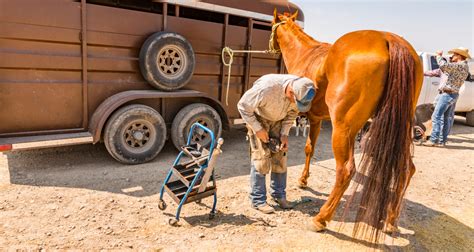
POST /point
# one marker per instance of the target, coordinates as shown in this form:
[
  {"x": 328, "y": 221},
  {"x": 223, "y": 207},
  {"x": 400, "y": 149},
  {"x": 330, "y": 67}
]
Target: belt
[{"x": 447, "y": 91}]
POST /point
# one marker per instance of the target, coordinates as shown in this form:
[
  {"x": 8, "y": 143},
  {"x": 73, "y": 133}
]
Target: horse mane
[
  {"x": 316, "y": 51},
  {"x": 302, "y": 36}
]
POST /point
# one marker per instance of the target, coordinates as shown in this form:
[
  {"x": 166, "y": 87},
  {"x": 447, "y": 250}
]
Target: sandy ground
[{"x": 80, "y": 198}]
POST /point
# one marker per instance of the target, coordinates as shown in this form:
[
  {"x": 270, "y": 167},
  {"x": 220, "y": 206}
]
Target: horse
[{"x": 364, "y": 75}]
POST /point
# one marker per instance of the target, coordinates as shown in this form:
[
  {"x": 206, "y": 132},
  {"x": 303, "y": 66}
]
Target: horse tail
[{"x": 387, "y": 151}]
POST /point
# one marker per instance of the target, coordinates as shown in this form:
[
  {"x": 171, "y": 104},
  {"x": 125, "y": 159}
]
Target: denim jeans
[
  {"x": 443, "y": 117},
  {"x": 258, "y": 190}
]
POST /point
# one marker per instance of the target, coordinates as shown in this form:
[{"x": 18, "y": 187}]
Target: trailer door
[{"x": 40, "y": 67}]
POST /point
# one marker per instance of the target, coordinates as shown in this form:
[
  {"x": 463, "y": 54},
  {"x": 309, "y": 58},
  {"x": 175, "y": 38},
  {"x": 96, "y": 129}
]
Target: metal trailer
[{"x": 129, "y": 73}]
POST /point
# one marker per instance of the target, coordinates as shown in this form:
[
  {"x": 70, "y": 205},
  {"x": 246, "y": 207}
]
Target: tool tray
[
  {"x": 195, "y": 151},
  {"x": 177, "y": 189}
]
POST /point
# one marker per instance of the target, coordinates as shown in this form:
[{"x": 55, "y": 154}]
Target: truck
[
  {"x": 131, "y": 74},
  {"x": 429, "y": 90}
]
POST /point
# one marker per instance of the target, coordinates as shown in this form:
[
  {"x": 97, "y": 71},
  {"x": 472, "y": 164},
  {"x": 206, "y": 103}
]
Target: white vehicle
[{"x": 465, "y": 103}]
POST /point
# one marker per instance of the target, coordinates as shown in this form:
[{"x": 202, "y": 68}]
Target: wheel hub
[
  {"x": 171, "y": 61},
  {"x": 137, "y": 135}
]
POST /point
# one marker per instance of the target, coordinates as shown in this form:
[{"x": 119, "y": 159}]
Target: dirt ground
[{"x": 80, "y": 198}]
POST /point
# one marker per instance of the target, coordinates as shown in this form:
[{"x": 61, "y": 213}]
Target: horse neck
[{"x": 302, "y": 54}]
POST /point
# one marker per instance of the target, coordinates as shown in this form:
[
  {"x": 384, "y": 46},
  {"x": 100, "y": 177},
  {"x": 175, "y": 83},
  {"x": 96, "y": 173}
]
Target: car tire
[
  {"x": 187, "y": 116},
  {"x": 167, "y": 61},
  {"x": 135, "y": 134},
  {"x": 470, "y": 118}
]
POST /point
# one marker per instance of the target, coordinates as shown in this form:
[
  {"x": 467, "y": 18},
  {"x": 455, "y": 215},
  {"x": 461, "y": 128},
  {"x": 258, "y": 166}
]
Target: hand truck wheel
[
  {"x": 162, "y": 205},
  {"x": 212, "y": 215},
  {"x": 173, "y": 222}
]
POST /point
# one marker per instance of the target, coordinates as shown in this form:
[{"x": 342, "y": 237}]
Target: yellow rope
[{"x": 230, "y": 53}]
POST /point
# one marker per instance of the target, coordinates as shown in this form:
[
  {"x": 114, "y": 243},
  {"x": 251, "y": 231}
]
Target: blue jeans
[
  {"x": 258, "y": 189},
  {"x": 443, "y": 117}
]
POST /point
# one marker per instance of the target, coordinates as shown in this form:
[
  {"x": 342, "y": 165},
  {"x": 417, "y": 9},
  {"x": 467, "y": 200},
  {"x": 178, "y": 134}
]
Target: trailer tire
[
  {"x": 187, "y": 116},
  {"x": 167, "y": 61},
  {"x": 470, "y": 118},
  {"x": 135, "y": 134}
]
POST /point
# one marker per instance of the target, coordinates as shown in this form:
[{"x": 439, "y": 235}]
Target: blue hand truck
[{"x": 193, "y": 179}]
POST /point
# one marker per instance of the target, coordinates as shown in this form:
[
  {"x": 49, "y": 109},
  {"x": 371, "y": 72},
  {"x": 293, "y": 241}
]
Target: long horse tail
[{"x": 387, "y": 150}]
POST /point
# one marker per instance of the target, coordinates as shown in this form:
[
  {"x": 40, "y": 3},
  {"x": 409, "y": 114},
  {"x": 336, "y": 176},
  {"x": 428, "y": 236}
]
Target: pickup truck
[{"x": 465, "y": 103}]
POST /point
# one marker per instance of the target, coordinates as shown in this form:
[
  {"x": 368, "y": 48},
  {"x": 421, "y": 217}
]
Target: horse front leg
[
  {"x": 314, "y": 129},
  {"x": 394, "y": 212}
]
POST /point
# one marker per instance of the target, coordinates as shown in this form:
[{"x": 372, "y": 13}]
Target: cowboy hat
[{"x": 461, "y": 51}]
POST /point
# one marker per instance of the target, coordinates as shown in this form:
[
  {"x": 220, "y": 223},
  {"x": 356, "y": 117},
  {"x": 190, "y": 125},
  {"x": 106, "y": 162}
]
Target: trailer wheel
[
  {"x": 187, "y": 116},
  {"x": 470, "y": 118},
  {"x": 167, "y": 60},
  {"x": 135, "y": 134}
]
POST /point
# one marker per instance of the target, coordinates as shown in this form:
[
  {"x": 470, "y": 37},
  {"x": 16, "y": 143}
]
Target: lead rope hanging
[{"x": 230, "y": 53}]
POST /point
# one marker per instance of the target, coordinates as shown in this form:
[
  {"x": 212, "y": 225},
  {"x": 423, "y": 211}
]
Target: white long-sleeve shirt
[{"x": 267, "y": 99}]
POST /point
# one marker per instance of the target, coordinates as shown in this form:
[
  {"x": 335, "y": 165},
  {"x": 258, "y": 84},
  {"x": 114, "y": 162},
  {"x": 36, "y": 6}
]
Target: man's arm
[
  {"x": 444, "y": 65},
  {"x": 433, "y": 73},
  {"x": 247, "y": 105},
  {"x": 288, "y": 122}
]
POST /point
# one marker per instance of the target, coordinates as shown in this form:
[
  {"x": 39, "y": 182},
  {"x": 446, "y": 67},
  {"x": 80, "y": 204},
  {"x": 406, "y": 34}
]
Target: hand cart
[{"x": 193, "y": 179}]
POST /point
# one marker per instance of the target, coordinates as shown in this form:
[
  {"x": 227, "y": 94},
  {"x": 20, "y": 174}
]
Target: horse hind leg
[
  {"x": 343, "y": 140},
  {"x": 314, "y": 129},
  {"x": 394, "y": 212}
]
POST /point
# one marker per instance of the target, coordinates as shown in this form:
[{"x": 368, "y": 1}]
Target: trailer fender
[{"x": 111, "y": 104}]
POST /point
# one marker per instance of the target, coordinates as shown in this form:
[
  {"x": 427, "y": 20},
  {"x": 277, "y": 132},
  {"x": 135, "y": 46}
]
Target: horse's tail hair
[{"x": 387, "y": 151}]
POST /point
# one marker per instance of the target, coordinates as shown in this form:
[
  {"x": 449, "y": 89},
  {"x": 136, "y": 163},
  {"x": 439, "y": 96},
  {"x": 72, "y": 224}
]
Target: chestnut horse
[{"x": 364, "y": 74}]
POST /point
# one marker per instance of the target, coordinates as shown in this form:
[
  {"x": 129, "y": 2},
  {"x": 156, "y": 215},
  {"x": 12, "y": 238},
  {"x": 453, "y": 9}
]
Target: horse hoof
[
  {"x": 316, "y": 226},
  {"x": 302, "y": 184},
  {"x": 391, "y": 229}
]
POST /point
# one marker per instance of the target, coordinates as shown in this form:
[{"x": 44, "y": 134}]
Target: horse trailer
[{"x": 129, "y": 73}]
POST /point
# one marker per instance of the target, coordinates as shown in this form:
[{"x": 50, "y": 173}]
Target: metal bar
[
  {"x": 52, "y": 143},
  {"x": 85, "y": 110},
  {"x": 224, "y": 42},
  {"x": 177, "y": 10},
  {"x": 262, "y": 23},
  {"x": 165, "y": 16},
  {"x": 183, "y": 200},
  {"x": 223, "y": 9},
  {"x": 41, "y": 132},
  {"x": 163, "y": 107},
  {"x": 248, "y": 58}
]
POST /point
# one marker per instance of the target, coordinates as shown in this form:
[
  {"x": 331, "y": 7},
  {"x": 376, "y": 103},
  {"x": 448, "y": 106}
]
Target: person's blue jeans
[
  {"x": 443, "y": 117},
  {"x": 258, "y": 190}
]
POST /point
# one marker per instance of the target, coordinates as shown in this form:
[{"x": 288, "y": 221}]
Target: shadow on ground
[{"x": 424, "y": 228}]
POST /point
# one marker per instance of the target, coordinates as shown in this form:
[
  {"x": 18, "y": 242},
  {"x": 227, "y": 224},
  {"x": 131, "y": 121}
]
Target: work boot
[
  {"x": 284, "y": 204},
  {"x": 431, "y": 144},
  {"x": 265, "y": 208}
]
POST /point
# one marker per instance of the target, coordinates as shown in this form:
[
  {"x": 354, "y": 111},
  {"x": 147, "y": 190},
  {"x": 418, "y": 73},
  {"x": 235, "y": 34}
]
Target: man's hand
[
  {"x": 262, "y": 135},
  {"x": 284, "y": 143},
  {"x": 439, "y": 53}
]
